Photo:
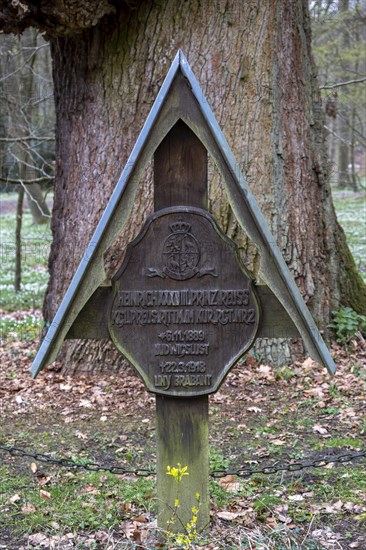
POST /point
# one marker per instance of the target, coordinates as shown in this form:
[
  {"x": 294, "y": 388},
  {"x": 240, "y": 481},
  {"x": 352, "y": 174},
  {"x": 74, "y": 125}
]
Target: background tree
[
  {"x": 339, "y": 39},
  {"x": 26, "y": 102},
  {"x": 254, "y": 63},
  {"x": 27, "y": 120}
]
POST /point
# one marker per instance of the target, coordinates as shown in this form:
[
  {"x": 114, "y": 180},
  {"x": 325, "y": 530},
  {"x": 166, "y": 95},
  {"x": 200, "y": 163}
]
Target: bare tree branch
[
  {"x": 339, "y": 84},
  {"x": 12, "y": 181},
  {"x": 346, "y": 142},
  {"x": 27, "y": 138},
  {"x": 21, "y": 67},
  {"x": 31, "y": 198}
]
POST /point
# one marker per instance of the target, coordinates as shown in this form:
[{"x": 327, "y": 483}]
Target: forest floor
[{"x": 262, "y": 415}]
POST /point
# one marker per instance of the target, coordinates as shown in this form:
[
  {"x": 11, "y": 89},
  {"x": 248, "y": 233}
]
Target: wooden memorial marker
[
  {"x": 182, "y": 309},
  {"x": 182, "y": 291}
]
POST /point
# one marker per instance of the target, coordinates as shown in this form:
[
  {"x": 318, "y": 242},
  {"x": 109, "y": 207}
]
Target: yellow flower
[{"x": 177, "y": 473}]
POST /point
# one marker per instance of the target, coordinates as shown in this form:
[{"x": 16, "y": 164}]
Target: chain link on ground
[
  {"x": 242, "y": 472},
  {"x": 70, "y": 463},
  {"x": 290, "y": 466}
]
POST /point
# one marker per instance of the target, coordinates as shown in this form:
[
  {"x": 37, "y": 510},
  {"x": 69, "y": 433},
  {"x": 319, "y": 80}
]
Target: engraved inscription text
[{"x": 184, "y": 309}]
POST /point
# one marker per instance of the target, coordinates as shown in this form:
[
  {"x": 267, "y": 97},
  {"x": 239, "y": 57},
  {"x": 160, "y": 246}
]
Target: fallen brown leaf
[
  {"x": 45, "y": 494},
  {"x": 28, "y": 508},
  {"x": 317, "y": 428},
  {"x": 230, "y": 483},
  {"x": 12, "y": 500}
]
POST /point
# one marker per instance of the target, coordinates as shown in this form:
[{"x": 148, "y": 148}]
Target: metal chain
[
  {"x": 218, "y": 473},
  {"x": 69, "y": 463},
  {"x": 290, "y": 466}
]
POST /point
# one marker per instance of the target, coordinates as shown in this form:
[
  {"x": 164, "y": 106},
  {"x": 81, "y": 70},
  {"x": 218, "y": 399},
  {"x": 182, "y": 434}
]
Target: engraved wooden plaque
[{"x": 184, "y": 309}]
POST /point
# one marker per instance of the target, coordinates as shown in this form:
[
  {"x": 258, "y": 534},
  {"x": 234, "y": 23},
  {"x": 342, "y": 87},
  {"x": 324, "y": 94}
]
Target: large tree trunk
[{"x": 253, "y": 61}]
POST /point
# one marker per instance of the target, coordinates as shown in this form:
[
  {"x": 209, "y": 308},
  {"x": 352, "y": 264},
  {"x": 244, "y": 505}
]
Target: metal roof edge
[
  {"x": 262, "y": 226},
  {"x": 40, "y": 360}
]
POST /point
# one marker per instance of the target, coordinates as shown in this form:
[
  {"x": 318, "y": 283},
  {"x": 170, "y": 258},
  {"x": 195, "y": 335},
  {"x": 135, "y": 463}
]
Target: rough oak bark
[
  {"x": 56, "y": 17},
  {"x": 253, "y": 60}
]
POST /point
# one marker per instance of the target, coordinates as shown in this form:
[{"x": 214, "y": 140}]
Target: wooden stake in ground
[{"x": 180, "y": 178}]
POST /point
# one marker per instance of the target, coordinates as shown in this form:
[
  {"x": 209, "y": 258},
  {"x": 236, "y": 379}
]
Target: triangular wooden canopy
[{"x": 181, "y": 97}]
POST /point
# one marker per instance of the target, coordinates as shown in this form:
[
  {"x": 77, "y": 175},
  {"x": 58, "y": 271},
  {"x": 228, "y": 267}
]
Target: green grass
[
  {"x": 28, "y": 327},
  {"x": 74, "y": 501},
  {"x": 61, "y": 501},
  {"x": 340, "y": 442},
  {"x": 301, "y": 494},
  {"x": 217, "y": 460},
  {"x": 36, "y": 242}
]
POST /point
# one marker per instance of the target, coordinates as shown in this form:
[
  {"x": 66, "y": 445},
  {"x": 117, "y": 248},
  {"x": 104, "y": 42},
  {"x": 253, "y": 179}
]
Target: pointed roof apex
[{"x": 181, "y": 98}]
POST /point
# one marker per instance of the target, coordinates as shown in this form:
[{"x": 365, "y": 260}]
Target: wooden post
[
  {"x": 182, "y": 437},
  {"x": 180, "y": 179}
]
